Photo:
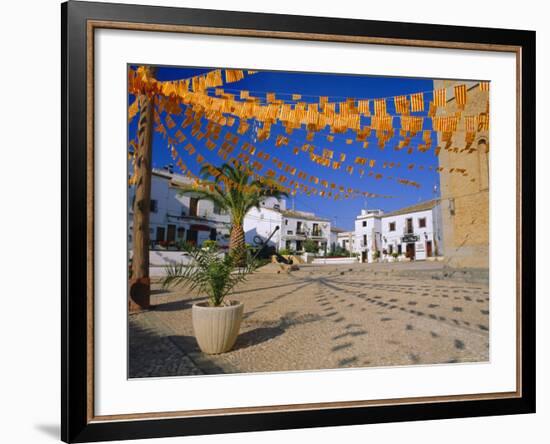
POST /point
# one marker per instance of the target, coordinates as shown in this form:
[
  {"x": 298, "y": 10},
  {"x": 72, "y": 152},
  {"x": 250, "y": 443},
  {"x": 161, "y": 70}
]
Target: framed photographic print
[{"x": 276, "y": 221}]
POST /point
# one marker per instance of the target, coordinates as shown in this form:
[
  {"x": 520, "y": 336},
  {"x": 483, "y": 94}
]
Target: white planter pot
[{"x": 216, "y": 328}]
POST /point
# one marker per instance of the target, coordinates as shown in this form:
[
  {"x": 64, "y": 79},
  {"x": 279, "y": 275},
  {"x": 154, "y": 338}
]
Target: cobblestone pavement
[{"x": 322, "y": 317}]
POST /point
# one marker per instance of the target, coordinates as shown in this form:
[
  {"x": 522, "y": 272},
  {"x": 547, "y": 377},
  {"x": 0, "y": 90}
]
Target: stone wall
[{"x": 465, "y": 199}]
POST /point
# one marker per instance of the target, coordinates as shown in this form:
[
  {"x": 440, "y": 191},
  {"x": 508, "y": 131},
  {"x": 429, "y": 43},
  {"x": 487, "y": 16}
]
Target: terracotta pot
[{"x": 216, "y": 328}]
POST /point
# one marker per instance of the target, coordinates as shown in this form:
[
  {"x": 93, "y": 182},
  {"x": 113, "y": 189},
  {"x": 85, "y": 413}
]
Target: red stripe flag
[
  {"x": 440, "y": 97},
  {"x": 460, "y": 95},
  {"x": 380, "y": 107},
  {"x": 401, "y": 104},
  {"x": 363, "y": 107},
  {"x": 470, "y": 123},
  {"x": 417, "y": 102}
]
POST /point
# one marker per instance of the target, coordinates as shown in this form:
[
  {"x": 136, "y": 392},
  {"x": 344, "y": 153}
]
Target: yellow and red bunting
[
  {"x": 483, "y": 122},
  {"x": 226, "y": 149},
  {"x": 233, "y": 75},
  {"x": 460, "y": 96},
  {"x": 193, "y": 92},
  {"x": 417, "y": 102},
  {"x": 363, "y": 107},
  {"x": 401, "y": 104},
  {"x": 380, "y": 107},
  {"x": 470, "y": 123},
  {"x": 440, "y": 97},
  {"x": 133, "y": 109}
]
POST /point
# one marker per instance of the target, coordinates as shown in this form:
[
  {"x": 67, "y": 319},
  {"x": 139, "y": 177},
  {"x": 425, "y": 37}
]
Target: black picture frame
[{"x": 76, "y": 423}]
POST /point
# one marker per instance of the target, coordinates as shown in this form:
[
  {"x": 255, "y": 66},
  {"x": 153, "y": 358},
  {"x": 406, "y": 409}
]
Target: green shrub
[
  {"x": 210, "y": 245},
  {"x": 311, "y": 246},
  {"x": 338, "y": 251},
  {"x": 286, "y": 252},
  {"x": 183, "y": 245}
]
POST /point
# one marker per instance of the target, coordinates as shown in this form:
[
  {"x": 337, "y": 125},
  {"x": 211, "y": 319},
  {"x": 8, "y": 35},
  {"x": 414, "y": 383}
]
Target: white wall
[
  {"x": 424, "y": 234},
  {"x": 378, "y": 227},
  {"x": 370, "y": 227},
  {"x": 262, "y": 223},
  {"x": 29, "y": 380},
  {"x": 292, "y": 225},
  {"x": 345, "y": 239},
  {"x": 170, "y": 203}
]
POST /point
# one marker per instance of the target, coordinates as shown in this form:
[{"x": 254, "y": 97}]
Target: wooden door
[
  {"x": 411, "y": 251},
  {"x": 160, "y": 234},
  {"x": 193, "y": 203},
  {"x": 171, "y": 233},
  {"x": 192, "y": 236},
  {"x": 429, "y": 248}
]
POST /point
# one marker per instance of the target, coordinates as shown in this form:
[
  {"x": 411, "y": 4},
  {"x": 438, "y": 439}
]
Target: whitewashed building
[
  {"x": 368, "y": 234},
  {"x": 295, "y": 227},
  {"x": 346, "y": 240},
  {"x": 175, "y": 218},
  {"x": 334, "y": 232},
  {"x": 414, "y": 232}
]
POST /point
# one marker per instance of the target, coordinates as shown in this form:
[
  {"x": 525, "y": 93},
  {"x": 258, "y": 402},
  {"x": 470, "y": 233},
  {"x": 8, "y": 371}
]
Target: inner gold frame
[{"x": 92, "y": 25}]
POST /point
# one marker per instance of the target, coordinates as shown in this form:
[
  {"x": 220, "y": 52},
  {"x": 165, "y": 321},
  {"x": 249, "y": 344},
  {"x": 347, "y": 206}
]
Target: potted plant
[
  {"x": 216, "y": 322},
  {"x": 395, "y": 255}
]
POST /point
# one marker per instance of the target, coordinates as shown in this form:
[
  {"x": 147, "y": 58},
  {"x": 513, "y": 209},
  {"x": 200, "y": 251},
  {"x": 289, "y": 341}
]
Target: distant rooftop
[
  {"x": 337, "y": 230},
  {"x": 422, "y": 206},
  {"x": 369, "y": 213},
  {"x": 302, "y": 215},
  {"x": 346, "y": 233}
]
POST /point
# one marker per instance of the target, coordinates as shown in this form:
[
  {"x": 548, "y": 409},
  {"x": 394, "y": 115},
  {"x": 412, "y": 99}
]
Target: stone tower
[{"x": 465, "y": 197}]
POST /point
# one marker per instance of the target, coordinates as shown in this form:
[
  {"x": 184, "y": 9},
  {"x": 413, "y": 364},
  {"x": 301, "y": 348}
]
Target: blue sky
[{"x": 342, "y": 212}]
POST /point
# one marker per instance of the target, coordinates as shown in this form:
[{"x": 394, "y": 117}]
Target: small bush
[
  {"x": 210, "y": 245},
  {"x": 338, "y": 252},
  {"x": 311, "y": 246}
]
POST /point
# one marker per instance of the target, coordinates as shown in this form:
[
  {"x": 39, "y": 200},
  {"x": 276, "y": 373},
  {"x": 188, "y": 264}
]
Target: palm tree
[{"x": 244, "y": 193}]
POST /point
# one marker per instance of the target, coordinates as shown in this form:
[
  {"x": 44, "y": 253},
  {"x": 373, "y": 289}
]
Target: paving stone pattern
[{"x": 321, "y": 317}]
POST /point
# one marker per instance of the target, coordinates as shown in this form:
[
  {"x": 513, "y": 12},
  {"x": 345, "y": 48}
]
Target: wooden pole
[{"x": 139, "y": 297}]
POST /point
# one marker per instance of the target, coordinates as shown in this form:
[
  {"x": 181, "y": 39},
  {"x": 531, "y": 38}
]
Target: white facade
[
  {"x": 346, "y": 240},
  {"x": 259, "y": 224},
  {"x": 334, "y": 232},
  {"x": 295, "y": 227},
  {"x": 414, "y": 232},
  {"x": 368, "y": 234},
  {"x": 176, "y": 218}
]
